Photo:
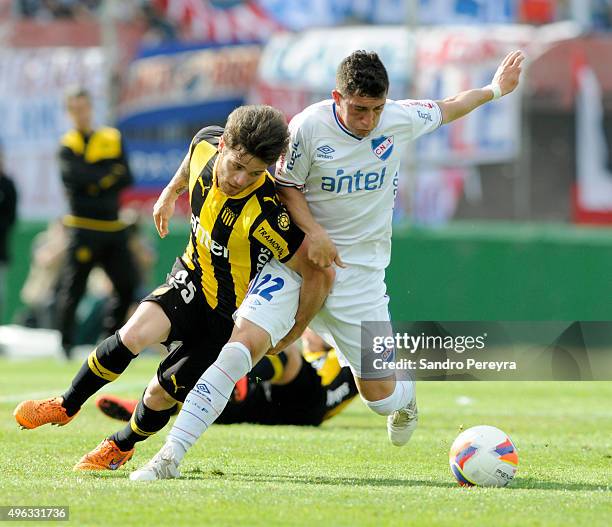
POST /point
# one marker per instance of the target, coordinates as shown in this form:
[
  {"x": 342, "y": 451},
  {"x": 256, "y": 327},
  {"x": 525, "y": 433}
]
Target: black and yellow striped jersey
[
  {"x": 94, "y": 170},
  {"x": 232, "y": 237}
]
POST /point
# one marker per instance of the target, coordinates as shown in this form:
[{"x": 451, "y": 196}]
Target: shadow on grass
[
  {"x": 518, "y": 483},
  {"x": 199, "y": 474},
  {"x": 533, "y": 483},
  {"x": 316, "y": 480}
]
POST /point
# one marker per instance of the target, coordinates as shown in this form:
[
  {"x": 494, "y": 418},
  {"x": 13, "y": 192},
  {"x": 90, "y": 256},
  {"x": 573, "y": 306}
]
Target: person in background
[
  {"x": 8, "y": 214},
  {"x": 94, "y": 171}
]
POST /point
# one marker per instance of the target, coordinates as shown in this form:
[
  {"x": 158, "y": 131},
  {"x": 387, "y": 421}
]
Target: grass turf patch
[{"x": 343, "y": 473}]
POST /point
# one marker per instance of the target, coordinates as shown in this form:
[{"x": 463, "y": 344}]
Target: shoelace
[
  {"x": 161, "y": 463},
  {"x": 98, "y": 458},
  {"x": 49, "y": 404},
  {"x": 403, "y": 415}
]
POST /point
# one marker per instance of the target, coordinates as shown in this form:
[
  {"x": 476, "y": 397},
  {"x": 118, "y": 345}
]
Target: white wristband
[{"x": 496, "y": 89}]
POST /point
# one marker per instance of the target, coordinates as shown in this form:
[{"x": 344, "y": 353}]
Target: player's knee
[
  {"x": 134, "y": 337},
  {"x": 375, "y": 389},
  {"x": 157, "y": 398},
  {"x": 254, "y": 338},
  {"x": 381, "y": 407}
]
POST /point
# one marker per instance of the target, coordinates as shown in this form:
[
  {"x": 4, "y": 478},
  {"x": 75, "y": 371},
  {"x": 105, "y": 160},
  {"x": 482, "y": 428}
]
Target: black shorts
[
  {"x": 301, "y": 402},
  {"x": 200, "y": 330}
]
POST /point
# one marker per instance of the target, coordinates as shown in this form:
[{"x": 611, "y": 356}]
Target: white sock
[
  {"x": 208, "y": 397},
  {"x": 401, "y": 396}
]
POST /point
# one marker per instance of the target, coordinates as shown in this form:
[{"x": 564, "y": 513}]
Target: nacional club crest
[{"x": 382, "y": 147}]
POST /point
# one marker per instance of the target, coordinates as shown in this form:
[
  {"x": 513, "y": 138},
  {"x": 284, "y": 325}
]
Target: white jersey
[{"x": 350, "y": 182}]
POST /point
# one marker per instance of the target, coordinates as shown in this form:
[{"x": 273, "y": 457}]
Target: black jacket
[
  {"x": 8, "y": 213},
  {"x": 94, "y": 170}
]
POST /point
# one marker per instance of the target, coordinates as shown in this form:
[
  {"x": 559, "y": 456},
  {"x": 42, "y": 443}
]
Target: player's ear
[
  {"x": 221, "y": 144},
  {"x": 336, "y": 96}
]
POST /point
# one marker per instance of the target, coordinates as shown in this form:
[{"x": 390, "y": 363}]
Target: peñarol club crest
[{"x": 382, "y": 147}]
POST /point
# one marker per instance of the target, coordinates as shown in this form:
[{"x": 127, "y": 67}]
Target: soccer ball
[{"x": 484, "y": 456}]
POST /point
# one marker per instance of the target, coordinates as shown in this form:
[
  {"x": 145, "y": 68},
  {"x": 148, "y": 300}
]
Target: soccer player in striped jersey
[{"x": 237, "y": 225}]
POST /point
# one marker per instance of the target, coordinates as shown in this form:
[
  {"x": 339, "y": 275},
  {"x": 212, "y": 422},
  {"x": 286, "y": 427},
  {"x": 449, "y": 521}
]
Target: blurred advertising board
[
  {"x": 299, "y": 69},
  {"x": 33, "y": 82},
  {"x": 593, "y": 188},
  {"x": 220, "y": 21},
  {"x": 235, "y": 20},
  {"x": 179, "y": 83},
  {"x": 169, "y": 93}
]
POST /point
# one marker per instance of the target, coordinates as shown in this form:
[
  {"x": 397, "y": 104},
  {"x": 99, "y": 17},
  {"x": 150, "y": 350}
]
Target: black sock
[
  {"x": 269, "y": 368},
  {"x": 104, "y": 364},
  {"x": 144, "y": 423}
]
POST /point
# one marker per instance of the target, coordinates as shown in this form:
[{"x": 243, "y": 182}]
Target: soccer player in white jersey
[{"x": 338, "y": 182}]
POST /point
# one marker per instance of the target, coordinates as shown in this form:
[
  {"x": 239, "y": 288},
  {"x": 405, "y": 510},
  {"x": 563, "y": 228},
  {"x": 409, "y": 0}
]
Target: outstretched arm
[
  {"x": 505, "y": 80},
  {"x": 163, "y": 209}
]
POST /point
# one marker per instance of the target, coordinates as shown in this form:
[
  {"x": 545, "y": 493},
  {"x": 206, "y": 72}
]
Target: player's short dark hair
[
  {"x": 76, "y": 92},
  {"x": 260, "y": 130},
  {"x": 362, "y": 73}
]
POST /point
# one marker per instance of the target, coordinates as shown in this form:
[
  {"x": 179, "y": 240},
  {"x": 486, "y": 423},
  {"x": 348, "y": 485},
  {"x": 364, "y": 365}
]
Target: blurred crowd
[
  {"x": 150, "y": 12},
  {"x": 57, "y": 9},
  {"x": 156, "y": 13}
]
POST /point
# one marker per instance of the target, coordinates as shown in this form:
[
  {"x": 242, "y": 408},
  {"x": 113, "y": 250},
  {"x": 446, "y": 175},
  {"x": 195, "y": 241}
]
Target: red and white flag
[{"x": 593, "y": 202}]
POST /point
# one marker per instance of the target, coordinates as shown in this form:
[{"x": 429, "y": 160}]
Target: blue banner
[{"x": 153, "y": 163}]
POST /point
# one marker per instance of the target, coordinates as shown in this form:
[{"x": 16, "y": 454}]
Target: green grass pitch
[{"x": 344, "y": 473}]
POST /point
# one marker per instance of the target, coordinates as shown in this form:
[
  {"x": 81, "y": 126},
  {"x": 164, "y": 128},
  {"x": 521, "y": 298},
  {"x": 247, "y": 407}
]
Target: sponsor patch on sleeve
[{"x": 272, "y": 239}]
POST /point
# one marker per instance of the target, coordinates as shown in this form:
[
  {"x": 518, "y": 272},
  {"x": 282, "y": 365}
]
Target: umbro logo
[
  {"x": 202, "y": 388},
  {"x": 325, "y": 151}
]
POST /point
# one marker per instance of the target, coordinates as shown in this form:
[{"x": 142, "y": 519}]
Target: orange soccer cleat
[
  {"x": 106, "y": 456},
  {"x": 241, "y": 390},
  {"x": 32, "y": 414},
  {"x": 116, "y": 407}
]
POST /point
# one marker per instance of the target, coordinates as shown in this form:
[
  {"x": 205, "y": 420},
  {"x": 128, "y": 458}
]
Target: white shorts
[
  {"x": 358, "y": 295},
  {"x": 272, "y": 300}
]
